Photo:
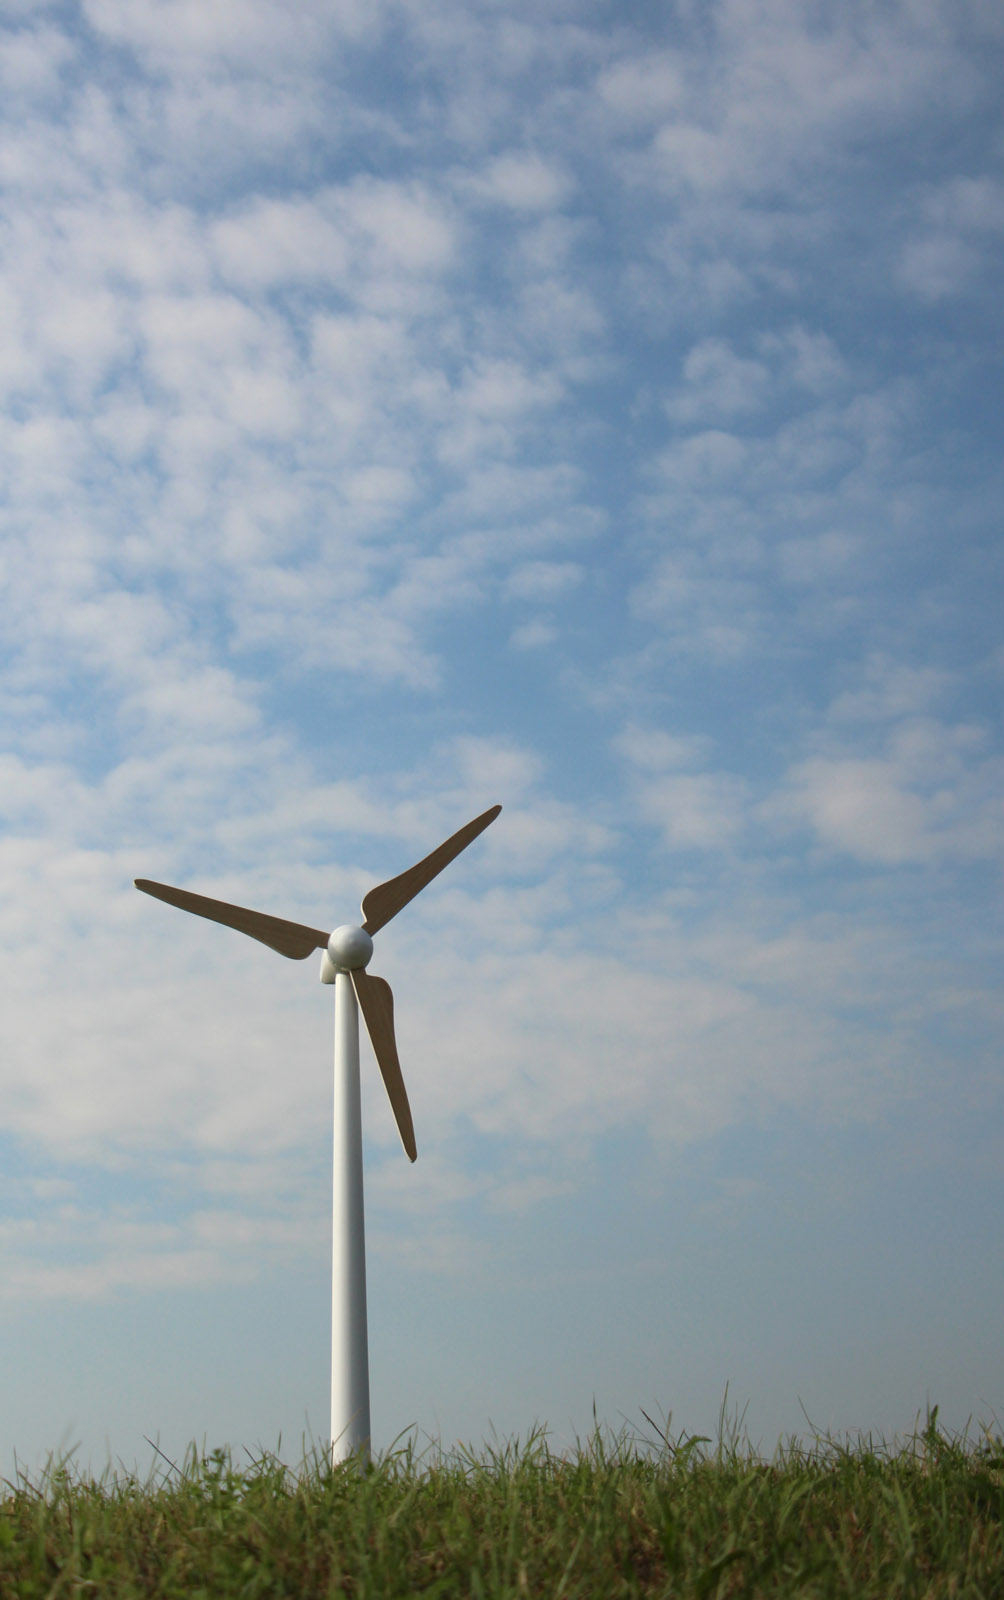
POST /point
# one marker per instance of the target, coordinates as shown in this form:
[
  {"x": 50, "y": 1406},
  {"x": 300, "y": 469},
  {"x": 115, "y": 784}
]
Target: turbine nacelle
[{"x": 349, "y": 948}]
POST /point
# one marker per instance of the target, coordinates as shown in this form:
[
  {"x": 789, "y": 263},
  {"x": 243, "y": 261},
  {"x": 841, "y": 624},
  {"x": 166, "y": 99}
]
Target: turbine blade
[
  {"x": 377, "y": 1005},
  {"x": 291, "y": 939},
  {"x": 387, "y": 899}
]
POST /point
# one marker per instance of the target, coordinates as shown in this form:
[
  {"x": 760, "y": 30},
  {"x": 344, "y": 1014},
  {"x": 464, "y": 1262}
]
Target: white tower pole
[{"x": 350, "y": 1377}]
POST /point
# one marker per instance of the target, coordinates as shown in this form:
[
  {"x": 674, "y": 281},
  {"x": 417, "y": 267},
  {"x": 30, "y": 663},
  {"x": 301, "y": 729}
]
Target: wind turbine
[{"x": 346, "y": 954}]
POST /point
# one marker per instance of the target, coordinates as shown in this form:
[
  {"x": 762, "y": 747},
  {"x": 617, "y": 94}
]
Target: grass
[{"x": 925, "y": 1518}]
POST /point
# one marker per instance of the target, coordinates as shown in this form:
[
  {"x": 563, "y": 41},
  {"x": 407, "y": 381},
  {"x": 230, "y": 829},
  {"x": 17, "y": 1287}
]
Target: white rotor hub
[{"x": 350, "y": 948}]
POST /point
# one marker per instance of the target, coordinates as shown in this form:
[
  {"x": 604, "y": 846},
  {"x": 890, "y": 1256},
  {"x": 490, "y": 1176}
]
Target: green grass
[{"x": 613, "y": 1519}]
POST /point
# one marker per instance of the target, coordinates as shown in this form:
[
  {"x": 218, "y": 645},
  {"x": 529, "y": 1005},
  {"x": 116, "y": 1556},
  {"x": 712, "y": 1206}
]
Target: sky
[{"x": 412, "y": 406}]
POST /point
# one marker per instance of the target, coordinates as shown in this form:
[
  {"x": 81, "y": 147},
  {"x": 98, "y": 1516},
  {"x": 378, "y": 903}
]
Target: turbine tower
[{"x": 347, "y": 952}]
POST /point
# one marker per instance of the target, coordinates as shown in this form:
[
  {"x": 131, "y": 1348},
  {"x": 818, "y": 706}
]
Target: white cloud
[
  {"x": 494, "y": 409},
  {"x": 43, "y": 793},
  {"x": 892, "y": 689},
  {"x": 505, "y": 388},
  {"x": 542, "y": 580},
  {"x": 370, "y": 235},
  {"x": 931, "y": 794},
  {"x": 973, "y": 204},
  {"x": 817, "y": 558},
  {"x": 694, "y": 157},
  {"x": 704, "y": 459},
  {"x": 523, "y": 181},
  {"x": 699, "y": 611},
  {"x": 227, "y": 32},
  {"x": 207, "y": 349},
  {"x": 97, "y": 1258},
  {"x": 281, "y": 242},
  {"x": 31, "y": 63},
  {"x": 655, "y": 750},
  {"x": 803, "y": 500},
  {"x": 237, "y": 430},
  {"x": 458, "y": 780},
  {"x": 695, "y": 811},
  {"x": 717, "y": 383},
  {"x": 959, "y": 219},
  {"x": 861, "y": 807},
  {"x": 644, "y": 89},
  {"x": 535, "y": 635},
  {"x": 780, "y": 91},
  {"x": 937, "y": 266},
  {"x": 202, "y": 704},
  {"x": 560, "y": 316},
  {"x": 745, "y": 141},
  {"x": 524, "y": 1194},
  {"x": 123, "y": 238},
  {"x": 700, "y": 1028},
  {"x": 362, "y": 349},
  {"x": 495, "y": 763},
  {"x": 808, "y": 357},
  {"x": 401, "y": 227},
  {"x": 313, "y": 617}
]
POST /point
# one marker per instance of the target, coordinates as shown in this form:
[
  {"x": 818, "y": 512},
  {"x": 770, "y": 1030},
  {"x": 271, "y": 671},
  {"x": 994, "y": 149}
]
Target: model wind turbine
[{"x": 346, "y": 954}]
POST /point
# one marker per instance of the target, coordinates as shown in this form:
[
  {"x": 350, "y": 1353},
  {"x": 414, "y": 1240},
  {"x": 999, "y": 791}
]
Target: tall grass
[{"x": 617, "y": 1517}]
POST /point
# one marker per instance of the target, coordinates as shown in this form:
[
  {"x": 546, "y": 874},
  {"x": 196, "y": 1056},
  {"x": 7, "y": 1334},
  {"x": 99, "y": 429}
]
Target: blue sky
[{"x": 595, "y": 409}]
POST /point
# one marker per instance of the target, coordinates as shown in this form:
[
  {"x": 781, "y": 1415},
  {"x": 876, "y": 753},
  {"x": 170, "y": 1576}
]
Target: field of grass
[{"x": 687, "y": 1519}]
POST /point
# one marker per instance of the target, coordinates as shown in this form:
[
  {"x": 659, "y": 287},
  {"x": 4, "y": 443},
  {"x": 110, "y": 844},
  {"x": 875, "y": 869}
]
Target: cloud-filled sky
[{"x": 413, "y": 406}]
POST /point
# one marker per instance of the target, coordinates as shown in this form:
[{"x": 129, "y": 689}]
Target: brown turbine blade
[
  {"x": 291, "y": 939},
  {"x": 377, "y": 1005},
  {"x": 387, "y": 899}
]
